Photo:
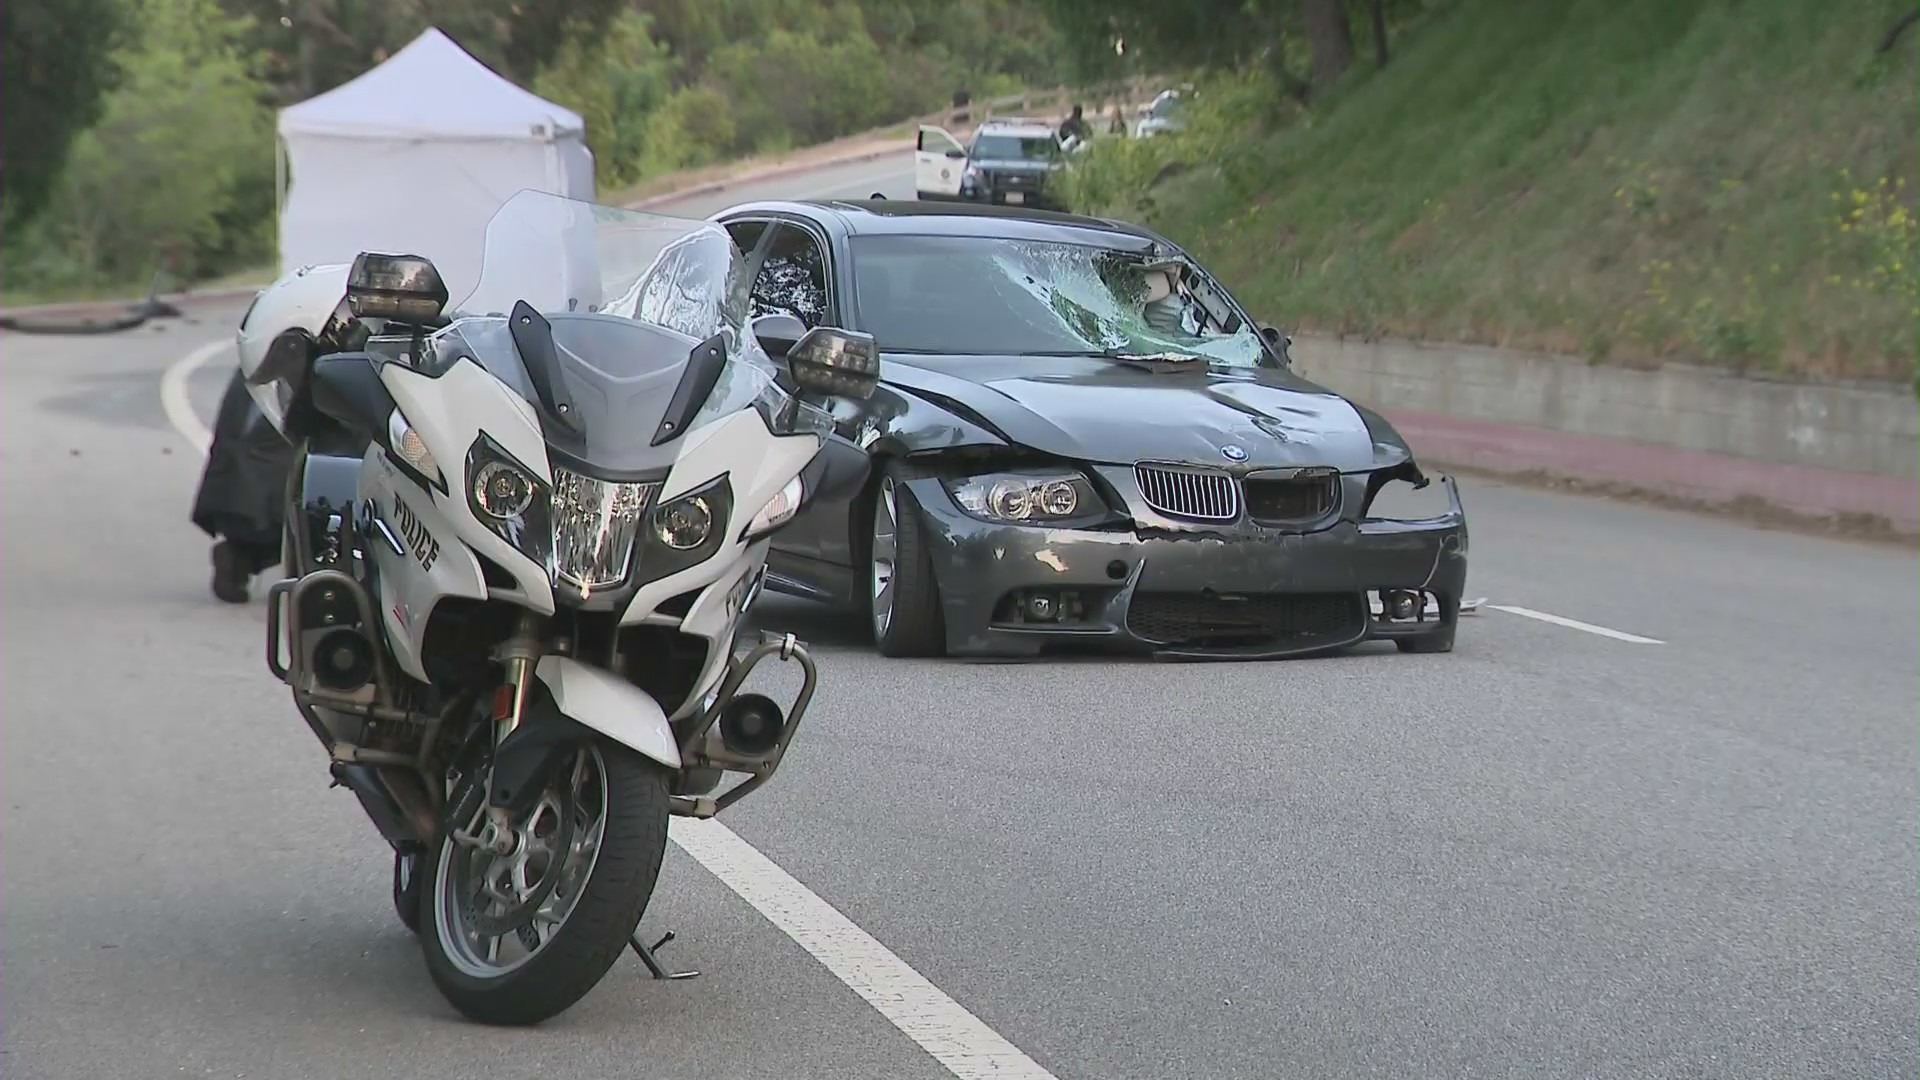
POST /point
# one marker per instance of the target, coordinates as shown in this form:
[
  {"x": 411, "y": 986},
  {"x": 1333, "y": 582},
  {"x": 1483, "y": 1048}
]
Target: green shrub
[
  {"x": 614, "y": 79},
  {"x": 184, "y": 147},
  {"x": 693, "y": 127},
  {"x": 1640, "y": 179}
]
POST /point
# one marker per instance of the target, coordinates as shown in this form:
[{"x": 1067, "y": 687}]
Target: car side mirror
[
  {"x": 956, "y": 154},
  {"x": 777, "y": 331},
  {"x": 1275, "y": 337},
  {"x": 398, "y": 288},
  {"x": 828, "y": 360}
]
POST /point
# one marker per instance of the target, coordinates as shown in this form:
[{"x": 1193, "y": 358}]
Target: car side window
[
  {"x": 746, "y": 234},
  {"x": 793, "y": 278}
]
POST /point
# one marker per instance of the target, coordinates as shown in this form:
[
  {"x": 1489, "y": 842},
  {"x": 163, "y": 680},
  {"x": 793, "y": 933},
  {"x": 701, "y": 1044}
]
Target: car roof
[{"x": 911, "y": 217}]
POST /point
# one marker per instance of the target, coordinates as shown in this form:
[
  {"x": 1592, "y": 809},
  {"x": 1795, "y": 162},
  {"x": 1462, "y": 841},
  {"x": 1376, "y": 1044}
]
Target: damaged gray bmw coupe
[{"x": 1080, "y": 437}]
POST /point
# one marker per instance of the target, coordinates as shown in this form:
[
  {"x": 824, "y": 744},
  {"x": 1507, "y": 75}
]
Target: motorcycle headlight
[
  {"x": 685, "y": 531},
  {"x": 684, "y": 524},
  {"x": 510, "y": 500},
  {"x": 1027, "y": 498},
  {"x": 779, "y": 510},
  {"x": 502, "y": 491},
  {"x": 595, "y": 523}
]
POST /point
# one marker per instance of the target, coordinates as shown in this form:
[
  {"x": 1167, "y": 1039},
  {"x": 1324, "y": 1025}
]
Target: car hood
[{"x": 1115, "y": 412}]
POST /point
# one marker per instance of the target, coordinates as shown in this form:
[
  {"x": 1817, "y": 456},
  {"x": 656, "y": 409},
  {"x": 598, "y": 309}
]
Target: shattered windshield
[{"x": 991, "y": 296}]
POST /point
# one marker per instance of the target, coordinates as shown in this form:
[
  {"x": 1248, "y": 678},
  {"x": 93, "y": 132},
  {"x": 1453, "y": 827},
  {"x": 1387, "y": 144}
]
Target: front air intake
[{"x": 1189, "y": 491}]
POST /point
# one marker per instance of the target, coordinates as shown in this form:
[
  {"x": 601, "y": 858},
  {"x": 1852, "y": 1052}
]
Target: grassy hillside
[{"x": 1626, "y": 179}]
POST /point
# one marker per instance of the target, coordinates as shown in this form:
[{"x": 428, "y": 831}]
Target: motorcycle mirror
[
  {"x": 400, "y": 288},
  {"x": 777, "y": 331},
  {"x": 828, "y": 360}
]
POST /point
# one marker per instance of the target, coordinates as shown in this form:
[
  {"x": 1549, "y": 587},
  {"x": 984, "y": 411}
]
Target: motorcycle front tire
[{"x": 598, "y": 927}]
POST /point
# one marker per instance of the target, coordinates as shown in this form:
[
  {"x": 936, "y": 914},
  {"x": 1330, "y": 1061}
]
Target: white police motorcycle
[{"x": 520, "y": 541}]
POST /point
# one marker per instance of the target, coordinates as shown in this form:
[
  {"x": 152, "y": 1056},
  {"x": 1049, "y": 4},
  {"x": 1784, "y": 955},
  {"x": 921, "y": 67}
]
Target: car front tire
[
  {"x": 903, "y": 596},
  {"x": 1432, "y": 643}
]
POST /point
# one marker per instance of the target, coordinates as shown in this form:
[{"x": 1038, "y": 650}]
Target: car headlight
[
  {"x": 1026, "y": 498},
  {"x": 779, "y": 509}
]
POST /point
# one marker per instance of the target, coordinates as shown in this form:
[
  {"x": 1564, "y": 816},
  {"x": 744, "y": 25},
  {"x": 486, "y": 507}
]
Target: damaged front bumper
[{"x": 1242, "y": 592}]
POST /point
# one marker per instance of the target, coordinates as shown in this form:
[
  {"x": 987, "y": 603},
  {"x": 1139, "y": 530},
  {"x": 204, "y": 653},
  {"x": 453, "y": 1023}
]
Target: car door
[
  {"x": 796, "y": 277},
  {"x": 938, "y": 162}
]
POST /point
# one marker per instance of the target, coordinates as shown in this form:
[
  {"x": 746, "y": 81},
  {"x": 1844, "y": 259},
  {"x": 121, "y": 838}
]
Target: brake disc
[{"x": 519, "y": 914}]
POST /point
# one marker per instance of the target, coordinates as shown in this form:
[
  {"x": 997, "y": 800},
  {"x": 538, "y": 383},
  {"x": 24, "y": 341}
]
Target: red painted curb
[{"x": 1686, "y": 474}]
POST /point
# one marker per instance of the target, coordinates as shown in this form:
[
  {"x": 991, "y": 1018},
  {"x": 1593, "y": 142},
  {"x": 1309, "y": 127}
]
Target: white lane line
[
  {"x": 941, "y": 1026},
  {"x": 1576, "y": 624},
  {"x": 174, "y": 399},
  {"x": 957, "y": 1039}
]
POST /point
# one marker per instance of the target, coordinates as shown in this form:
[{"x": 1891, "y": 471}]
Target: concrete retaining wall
[{"x": 1689, "y": 431}]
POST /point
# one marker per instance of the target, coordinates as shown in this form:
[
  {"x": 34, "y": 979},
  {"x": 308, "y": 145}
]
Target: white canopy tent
[{"x": 415, "y": 156}]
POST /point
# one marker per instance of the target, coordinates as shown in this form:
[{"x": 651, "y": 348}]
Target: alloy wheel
[
  {"x": 884, "y": 546},
  {"x": 495, "y": 912}
]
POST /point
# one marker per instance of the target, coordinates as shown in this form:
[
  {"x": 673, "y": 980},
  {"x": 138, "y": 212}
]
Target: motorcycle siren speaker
[
  {"x": 343, "y": 659},
  {"x": 750, "y": 725}
]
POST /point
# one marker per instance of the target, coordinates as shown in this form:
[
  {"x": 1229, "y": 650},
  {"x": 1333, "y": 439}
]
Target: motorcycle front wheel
[{"x": 518, "y": 938}]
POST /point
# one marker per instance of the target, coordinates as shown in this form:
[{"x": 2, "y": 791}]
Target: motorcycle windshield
[{"x": 629, "y": 297}]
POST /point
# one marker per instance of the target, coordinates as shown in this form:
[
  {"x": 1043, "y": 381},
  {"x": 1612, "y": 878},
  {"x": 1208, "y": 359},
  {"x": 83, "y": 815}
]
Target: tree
[
  {"x": 183, "y": 131},
  {"x": 1378, "y": 9},
  {"x": 1166, "y": 37},
  {"x": 54, "y": 67},
  {"x": 1283, "y": 37},
  {"x": 312, "y": 46},
  {"x": 613, "y": 80},
  {"x": 1330, "y": 39}
]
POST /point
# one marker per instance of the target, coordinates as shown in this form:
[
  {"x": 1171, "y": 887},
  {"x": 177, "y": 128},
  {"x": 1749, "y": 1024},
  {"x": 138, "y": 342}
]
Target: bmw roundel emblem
[{"x": 1233, "y": 453}]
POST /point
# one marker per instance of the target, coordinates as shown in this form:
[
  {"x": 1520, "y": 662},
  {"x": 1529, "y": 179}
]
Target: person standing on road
[
  {"x": 240, "y": 501},
  {"x": 1074, "y": 127}
]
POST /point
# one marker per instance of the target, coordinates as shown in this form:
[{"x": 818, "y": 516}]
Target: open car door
[{"x": 938, "y": 162}]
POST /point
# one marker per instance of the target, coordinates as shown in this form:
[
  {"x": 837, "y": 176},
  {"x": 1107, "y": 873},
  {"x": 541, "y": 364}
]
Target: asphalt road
[{"x": 1553, "y": 853}]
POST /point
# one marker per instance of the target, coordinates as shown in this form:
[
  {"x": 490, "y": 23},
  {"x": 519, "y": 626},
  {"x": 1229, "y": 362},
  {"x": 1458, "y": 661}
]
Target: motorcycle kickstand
[{"x": 647, "y": 957}]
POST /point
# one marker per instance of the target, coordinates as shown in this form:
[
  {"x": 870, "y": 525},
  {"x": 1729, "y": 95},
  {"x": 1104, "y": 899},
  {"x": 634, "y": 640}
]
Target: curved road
[{"x": 1656, "y": 817}]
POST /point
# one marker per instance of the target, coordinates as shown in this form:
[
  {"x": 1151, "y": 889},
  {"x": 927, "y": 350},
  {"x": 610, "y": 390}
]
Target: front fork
[{"x": 520, "y": 656}]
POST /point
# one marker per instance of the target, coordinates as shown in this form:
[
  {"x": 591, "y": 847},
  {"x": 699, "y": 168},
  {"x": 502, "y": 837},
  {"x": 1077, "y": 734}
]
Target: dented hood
[{"x": 1118, "y": 412}]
